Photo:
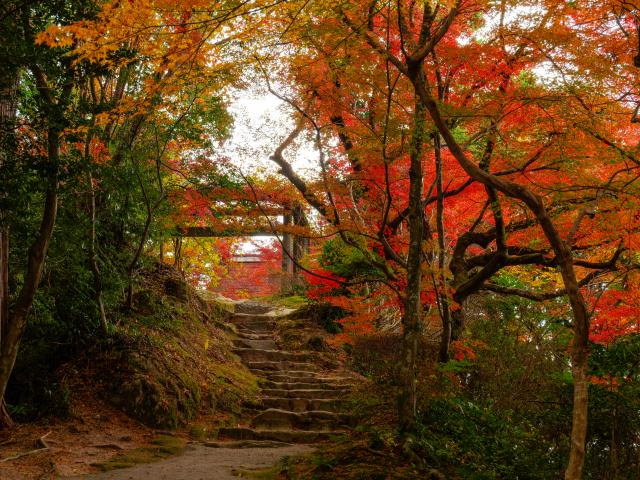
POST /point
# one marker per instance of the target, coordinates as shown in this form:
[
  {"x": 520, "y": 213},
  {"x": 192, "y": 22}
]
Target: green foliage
[
  {"x": 477, "y": 442},
  {"x": 613, "y": 410},
  {"x": 347, "y": 261},
  {"x": 125, "y": 183},
  {"x": 376, "y": 357}
]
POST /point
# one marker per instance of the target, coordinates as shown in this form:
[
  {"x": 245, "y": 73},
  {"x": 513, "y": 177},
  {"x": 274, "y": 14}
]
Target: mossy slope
[{"x": 170, "y": 359}]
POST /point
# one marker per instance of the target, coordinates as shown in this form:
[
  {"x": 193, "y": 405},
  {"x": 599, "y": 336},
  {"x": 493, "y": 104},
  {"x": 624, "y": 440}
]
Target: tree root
[{"x": 42, "y": 441}]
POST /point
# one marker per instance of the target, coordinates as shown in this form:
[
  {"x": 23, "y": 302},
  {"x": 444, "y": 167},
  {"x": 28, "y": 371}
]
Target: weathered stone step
[
  {"x": 252, "y": 307},
  {"x": 252, "y": 316},
  {"x": 301, "y": 404},
  {"x": 246, "y": 319},
  {"x": 307, "y": 377},
  {"x": 239, "y": 318},
  {"x": 313, "y": 420},
  {"x": 305, "y": 385},
  {"x": 257, "y": 355},
  {"x": 266, "y": 344},
  {"x": 306, "y": 393},
  {"x": 301, "y": 374},
  {"x": 287, "y": 436},
  {"x": 247, "y": 444},
  {"x": 280, "y": 366},
  {"x": 244, "y": 332},
  {"x": 252, "y": 326},
  {"x": 255, "y": 336}
]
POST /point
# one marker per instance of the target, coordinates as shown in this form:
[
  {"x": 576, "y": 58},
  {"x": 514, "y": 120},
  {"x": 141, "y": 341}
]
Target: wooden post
[
  {"x": 287, "y": 253},
  {"x": 300, "y": 244}
]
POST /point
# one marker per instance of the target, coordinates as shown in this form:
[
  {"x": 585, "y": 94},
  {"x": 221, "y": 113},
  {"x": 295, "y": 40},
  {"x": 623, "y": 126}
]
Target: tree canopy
[{"x": 467, "y": 152}]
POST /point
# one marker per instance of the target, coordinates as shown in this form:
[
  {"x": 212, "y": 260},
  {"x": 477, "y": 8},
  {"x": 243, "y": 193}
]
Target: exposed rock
[{"x": 176, "y": 288}]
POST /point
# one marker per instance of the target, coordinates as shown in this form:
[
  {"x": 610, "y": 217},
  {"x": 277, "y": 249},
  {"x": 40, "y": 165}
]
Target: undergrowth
[{"x": 163, "y": 362}]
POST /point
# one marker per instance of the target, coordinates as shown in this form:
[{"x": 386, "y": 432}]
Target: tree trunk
[
  {"x": 580, "y": 360},
  {"x": 5, "y": 417},
  {"x": 143, "y": 237},
  {"x": 300, "y": 244},
  {"x": 4, "y": 279},
  {"x": 177, "y": 254},
  {"x": 445, "y": 311},
  {"x": 93, "y": 260},
  {"x": 287, "y": 252},
  {"x": 457, "y": 323},
  {"x": 17, "y": 320},
  {"x": 412, "y": 304},
  {"x": 8, "y": 106}
]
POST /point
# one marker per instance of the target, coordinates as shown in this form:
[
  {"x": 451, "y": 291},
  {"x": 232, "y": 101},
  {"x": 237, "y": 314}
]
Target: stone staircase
[{"x": 299, "y": 400}]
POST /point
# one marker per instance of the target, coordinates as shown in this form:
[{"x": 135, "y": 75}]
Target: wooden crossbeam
[
  {"x": 255, "y": 212},
  {"x": 202, "y": 232}
]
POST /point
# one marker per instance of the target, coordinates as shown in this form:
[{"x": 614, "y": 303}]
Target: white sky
[{"x": 261, "y": 123}]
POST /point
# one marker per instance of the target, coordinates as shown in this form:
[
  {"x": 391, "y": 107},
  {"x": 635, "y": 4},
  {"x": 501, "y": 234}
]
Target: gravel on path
[{"x": 204, "y": 463}]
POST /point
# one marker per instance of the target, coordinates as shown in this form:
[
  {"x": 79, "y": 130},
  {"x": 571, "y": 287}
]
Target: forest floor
[
  {"x": 93, "y": 434},
  {"x": 98, "y": 434}
]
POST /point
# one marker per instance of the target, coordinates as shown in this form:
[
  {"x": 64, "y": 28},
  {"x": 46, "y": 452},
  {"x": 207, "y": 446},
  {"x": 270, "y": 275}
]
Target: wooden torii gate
[{"x": 294, "y": 247}]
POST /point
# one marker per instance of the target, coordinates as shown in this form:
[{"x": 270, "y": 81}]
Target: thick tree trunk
[
  {"x": 4, "y": 278},
  {"x": 457, "y": 323},
  {"x": 580, "y": 360},
  {"x": 8, "y": 106},
  {"x": 412, "y": 304},
  {"x": 18, "y": 317}
]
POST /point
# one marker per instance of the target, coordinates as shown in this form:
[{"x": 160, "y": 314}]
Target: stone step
[
  {"x": 257, "y": 355},
  {"x": 252, "y": 316},
  {"x": 247, "y": 332},
  {"x": 252, "y": 307},
  {"x": 283, "y": 366},
  {"x": 304, "y": 385},
  {"x": 266, "y": 344},
  {"x": 249, "y": 319},
  {"x": 301, "y": 404},
  {"x": 301, "y": 375},
  {"x": 315, "y": 420},
  {"x": 306, "y": 393},
  {"x": 237, "y": 444},
  {"x": 307, "y": 377},
  {"x": 286, "y": 436},
  {"x": 259, "y": 326},
  {"x": 255, "y": 336}
]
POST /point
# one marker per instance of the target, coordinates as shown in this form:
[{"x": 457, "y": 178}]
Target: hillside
[{"x": 167, "y": 365}]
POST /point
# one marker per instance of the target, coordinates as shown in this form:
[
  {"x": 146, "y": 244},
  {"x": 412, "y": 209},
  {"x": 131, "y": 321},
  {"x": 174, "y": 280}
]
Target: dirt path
[{"x": 204, "y": 463}]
